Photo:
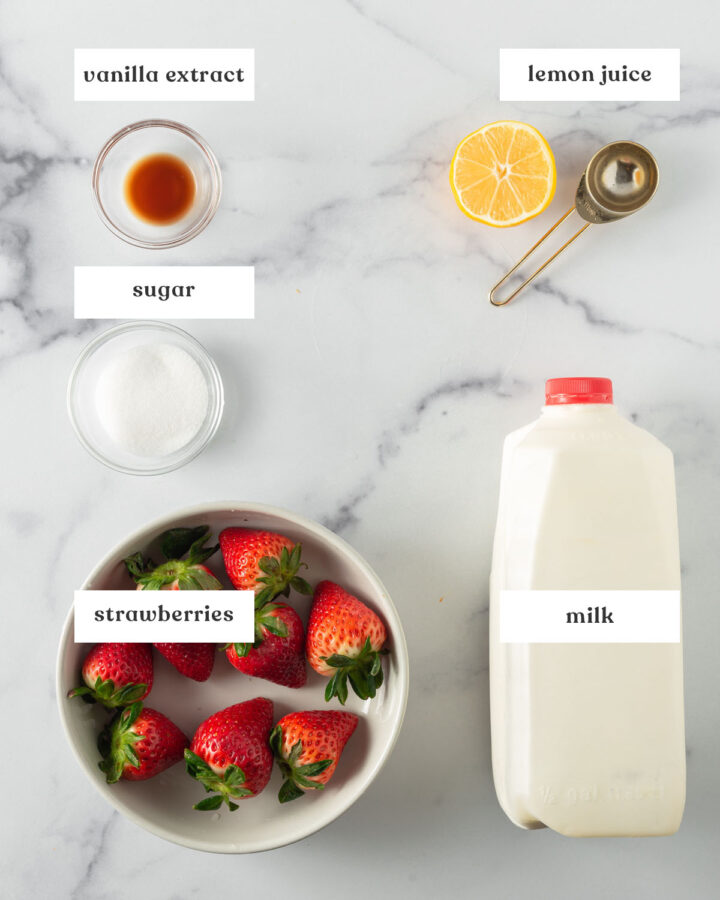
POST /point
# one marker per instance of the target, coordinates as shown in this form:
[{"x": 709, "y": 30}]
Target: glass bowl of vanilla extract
[{"x": 156, "y": 184}]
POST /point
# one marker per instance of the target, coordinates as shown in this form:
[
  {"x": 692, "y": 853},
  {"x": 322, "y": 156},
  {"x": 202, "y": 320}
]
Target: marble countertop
[{"x": 371, "y": 392}]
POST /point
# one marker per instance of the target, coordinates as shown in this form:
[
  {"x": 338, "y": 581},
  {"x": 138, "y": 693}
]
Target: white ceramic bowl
[{"x": 163, "y": 805}]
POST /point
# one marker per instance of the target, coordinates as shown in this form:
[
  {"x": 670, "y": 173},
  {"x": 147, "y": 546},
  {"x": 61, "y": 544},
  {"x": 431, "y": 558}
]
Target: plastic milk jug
[{"x": 586, "y": 683}]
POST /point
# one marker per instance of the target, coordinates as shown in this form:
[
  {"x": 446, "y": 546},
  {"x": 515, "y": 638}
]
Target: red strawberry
[
  {"x": 267, "y": 563},
  {"x": 307, "y": 747},
  {"x": 116, "y": 674},
  {"x": 262, "y": 561},
  {"x": 194, "y": 661},
  {"x": 139, "y": 743},
  {"x": 230, "y": 754},
  {"x": 278, "y": 653},
  {"x": 345, "y": 641},
  {"x": 175, "y": 574}
]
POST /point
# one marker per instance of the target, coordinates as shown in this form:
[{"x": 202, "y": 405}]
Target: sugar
[{"x": 152, "y": 399}]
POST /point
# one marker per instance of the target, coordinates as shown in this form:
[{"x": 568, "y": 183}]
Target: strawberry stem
[
  {"x": 227, "y": 785},
  {"x": 117, "y": 744},
  {"x": 364, "y": 672},
  {"x": 104, "y": 692},
  {"x": 188, "y": 572},
  {"x": 280, "y": 576},
  {"x": 295, "y": 777}
]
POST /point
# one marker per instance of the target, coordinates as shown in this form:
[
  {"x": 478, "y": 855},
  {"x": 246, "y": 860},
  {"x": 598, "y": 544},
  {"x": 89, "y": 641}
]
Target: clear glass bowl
[
  {"x": 82, "y": 406},
  {"x": 134, "y": 142}
]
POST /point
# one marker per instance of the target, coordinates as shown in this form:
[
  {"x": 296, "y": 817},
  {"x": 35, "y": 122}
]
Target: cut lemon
[{"x": 503, "y": 174}]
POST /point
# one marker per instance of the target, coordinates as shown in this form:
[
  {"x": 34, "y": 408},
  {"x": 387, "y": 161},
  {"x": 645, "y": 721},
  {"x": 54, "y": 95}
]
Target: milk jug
[{"x": 585, "y": 631}]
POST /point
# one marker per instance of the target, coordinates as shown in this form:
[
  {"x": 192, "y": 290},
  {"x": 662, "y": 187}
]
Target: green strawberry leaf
[
  {"x": 296, "y": 776},
  {"x": 128, "y": 694},
  {"x": 289, "y": 791},
  {"x": 364, "y": 671},
  {"x": 117, "y": 744},
  {"x": 225, "y": 786},
  {"x": 176, "y": 542},
  {"x": 195, "y": 578},
  {"x": 314, "y": 768},
  {"x": 274, "y": 625},
  {"x": 104, "y": 692},
  {"x": 362, "y": 684},
  {"x": 234, "y": 776},
  {"x": 275, "y": 740},
  {"x": 195, "y": 765},
  {"x": 337, "y": 686},
  {"x": 214, "y": 802},
  {"x": 294, "y": 754},
  {"x": 302, "y": 782},
  {"x": 81, "y": 691},
  {"x": 270, "y": 565},
  {"x": 198, "y": 552},
  {"x": 342, "y": 688},
  {"x": 137, "y": 565},
  {"x": 265, "y": 596},
  {"x": 280, "y": 574},
  {"x": 338, "y": 661},
  {"x": 331, "y": 687},
  {"x": 300, "y": 585},
  {"x": 131, "y": 757}
]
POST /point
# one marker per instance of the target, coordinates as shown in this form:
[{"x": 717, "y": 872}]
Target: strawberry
[
  {"x": 116, "y": 674},
  {"x": 194, "y": 661},
  {"x": 307, "y": 747},
  {"x": 262, "y": 561},
  {"x": 139, "y": 743},
  {"x": 278, "y": 653},
  {"x": 229, "y": 753},
  {"x": 345, "y": 642},
  {"x": 267, "y": 563},
  {"x": 176, "y": 574}
]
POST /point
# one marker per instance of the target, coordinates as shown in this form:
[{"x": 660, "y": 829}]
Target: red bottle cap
[{"x": 578, "y": 390}]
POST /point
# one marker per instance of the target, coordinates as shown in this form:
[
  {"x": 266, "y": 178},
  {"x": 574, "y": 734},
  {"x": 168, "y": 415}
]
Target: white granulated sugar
[{"x": 152, "y": 399}]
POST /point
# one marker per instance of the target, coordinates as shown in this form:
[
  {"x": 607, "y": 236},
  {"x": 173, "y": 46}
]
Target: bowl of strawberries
[{"x": 238, "y": 748}]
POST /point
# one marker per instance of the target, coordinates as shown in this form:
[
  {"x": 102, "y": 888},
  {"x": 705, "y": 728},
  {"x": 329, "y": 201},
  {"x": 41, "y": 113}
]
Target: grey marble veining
[{"x": 372, "y": 392}]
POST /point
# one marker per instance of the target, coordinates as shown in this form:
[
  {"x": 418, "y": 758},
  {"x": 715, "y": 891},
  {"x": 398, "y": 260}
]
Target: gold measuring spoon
[{"x": 618, "y": 181}]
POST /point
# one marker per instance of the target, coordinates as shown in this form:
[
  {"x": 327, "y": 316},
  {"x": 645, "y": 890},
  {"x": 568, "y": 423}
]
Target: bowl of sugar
[{"x": 145, "y": 398}]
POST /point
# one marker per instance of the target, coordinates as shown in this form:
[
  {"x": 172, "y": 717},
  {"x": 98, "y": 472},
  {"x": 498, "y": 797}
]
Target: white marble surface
[{"x": 372, "y": 392}]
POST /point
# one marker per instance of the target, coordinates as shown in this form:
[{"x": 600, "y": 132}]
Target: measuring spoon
[{"x": 618, "y": 181}]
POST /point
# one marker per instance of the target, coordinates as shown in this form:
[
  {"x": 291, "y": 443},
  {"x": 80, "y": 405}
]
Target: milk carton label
[
  {"x": 589, "y": 74},
  {"x": 590, "y": 617},
  {"x": 165, "y": 616}
]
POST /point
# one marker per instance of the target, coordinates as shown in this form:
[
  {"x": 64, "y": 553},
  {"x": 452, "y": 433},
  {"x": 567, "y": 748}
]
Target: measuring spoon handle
[{"x": 494, "y": 289}]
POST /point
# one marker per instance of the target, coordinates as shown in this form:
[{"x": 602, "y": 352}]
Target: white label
[
  {"x": 590, "y": 617},
  {"x": 164, "y": 74},
  {"x": 562, "y": 74},
  {"x": 164, "y": 616},
  {"x": 164, "y": 292}
]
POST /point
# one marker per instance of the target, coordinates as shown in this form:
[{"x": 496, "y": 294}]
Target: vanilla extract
[{"x": 138, "y": 74}]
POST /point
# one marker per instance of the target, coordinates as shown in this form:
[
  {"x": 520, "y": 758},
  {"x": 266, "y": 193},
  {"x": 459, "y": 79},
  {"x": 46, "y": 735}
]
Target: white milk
[{"x": 587, "y": 729}]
